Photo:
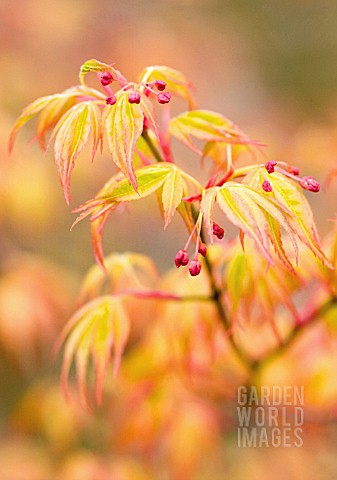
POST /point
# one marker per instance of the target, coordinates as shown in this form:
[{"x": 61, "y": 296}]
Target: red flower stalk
[{"x": 294, "y": 170}]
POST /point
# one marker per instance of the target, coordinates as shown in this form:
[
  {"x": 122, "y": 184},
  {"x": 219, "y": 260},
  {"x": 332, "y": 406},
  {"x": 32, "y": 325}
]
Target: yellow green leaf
[
  {"x": 301, "y": 219},
  {"x": 94, "y": 65},
  {"x": 72, "y": 133},
  {"x": 173, "y": 190},
  {"x": 245, "y": 214},
  {"x": 124, "y": 271},
  {"x": 149, "y": 112},
  {"x": 218, "y": 152},
  {"x": 208, "y": 126},
  {"x": 237, "y": 279},
  {"x": 29, "y": 112},
  {"x": 116, "y": 191},
  {"x": 55, "y": 106},
  {"x": 177, "y": 83},
  {"x": 96, "y": 329},
  {"x": 123, "y": 127},
  {"x": 50, "y": 115}
]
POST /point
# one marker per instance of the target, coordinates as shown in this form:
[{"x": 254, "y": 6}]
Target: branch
[
  {"x": 299, "y": 328},
  {"x": 159, "y": 295},
  {"x": 152, "y": 147},
  {"x": 249, "y": 364}
]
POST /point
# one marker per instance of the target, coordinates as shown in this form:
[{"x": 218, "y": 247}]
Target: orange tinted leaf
[
  {"x": 218, "y": 152},
  {"x": 55, "y": 106},
  {"x": 126, "y": 271},
  {"x": 72, "y": 134},
  {"x": 276, "y": 239},
  {"x": 123, "y": 127},
  {"x": 29, "y": 112},
  {"x": 177, "y": 83},
  {"x": 96, "y": 227},
  {"x": 208, "y": 126},
  {"x": 50, "y": 115},
  {"x": 94, "y": 330}
]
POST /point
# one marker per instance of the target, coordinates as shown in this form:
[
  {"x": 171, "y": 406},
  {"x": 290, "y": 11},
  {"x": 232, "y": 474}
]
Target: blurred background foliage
[{"x": 271, "y": 67}]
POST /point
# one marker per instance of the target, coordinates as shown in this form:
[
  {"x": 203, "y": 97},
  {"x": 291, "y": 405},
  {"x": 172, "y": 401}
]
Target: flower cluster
[
  {"x": 135, "y": 96},
  {"x": 182, "y": 259},
  {"x": 306, "y": 182}
]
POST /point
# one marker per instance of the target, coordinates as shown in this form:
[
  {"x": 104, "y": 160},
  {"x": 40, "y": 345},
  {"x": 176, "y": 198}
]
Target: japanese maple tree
[{"x": 278, "y": 248}]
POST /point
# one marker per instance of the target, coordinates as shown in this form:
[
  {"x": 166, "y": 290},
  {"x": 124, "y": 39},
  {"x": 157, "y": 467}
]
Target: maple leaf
[
  {"x": 124, "y": 271},
  {"x": 254, "y": 290},
  {"x": 94, "y": 65},
  {"x": 150, "y": 114},
  {"x": 172, "y": 193},
  {"x": 55, "y": 106},
  {"x": 123, "y": 125},
  {"x": 252, "y": 212},
  {"x": 71, "y": 134},
  {"x": 118, "y": 190},
  {"x": 301, "y": 219},
  {"x": 96, "y": 329},
  {"x": 208, "y": 126},
  {"x": 177, "y": 83}
]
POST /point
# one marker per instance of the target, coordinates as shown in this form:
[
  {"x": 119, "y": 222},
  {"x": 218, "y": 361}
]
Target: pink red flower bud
[
  {"x": 160, "y": 84},
  {"x": 106, "y": 79},
  {"x": 202, "y": 249},
  {"x": 134, "y": 97},
  {"x": 309, "y": 183},
  {"x": 218, "y": 231},
  {"x": 195, "y": 268},
  {"x": 181, "y": 259},
  {"x": 164, "y": 97},
  {"x": 270, "y": 166},
  {"x": 266, "y": 186},
  {"x": 110, "y": 100}
]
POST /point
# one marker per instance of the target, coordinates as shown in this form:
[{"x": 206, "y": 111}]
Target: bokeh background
[{"x": 268, "y": 65}]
